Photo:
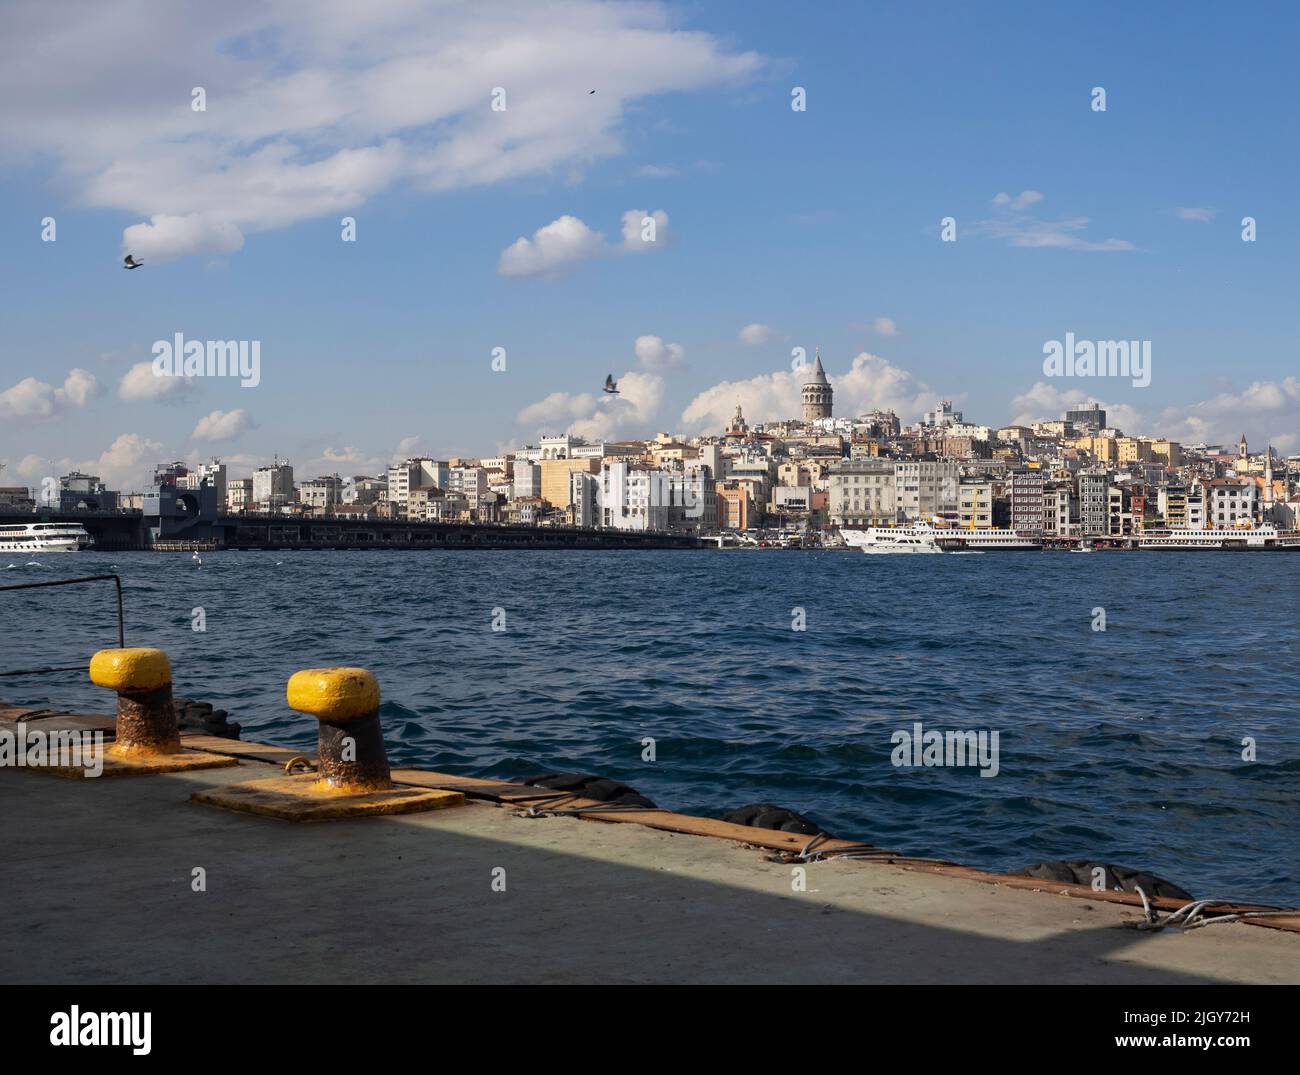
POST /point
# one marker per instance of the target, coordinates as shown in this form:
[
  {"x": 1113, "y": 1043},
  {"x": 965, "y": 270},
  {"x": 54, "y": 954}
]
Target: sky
[{"x": 502, "y": 264}]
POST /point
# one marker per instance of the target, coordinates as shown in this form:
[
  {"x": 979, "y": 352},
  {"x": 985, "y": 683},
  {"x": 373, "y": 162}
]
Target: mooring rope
[{"x": 1192, "y": 915}]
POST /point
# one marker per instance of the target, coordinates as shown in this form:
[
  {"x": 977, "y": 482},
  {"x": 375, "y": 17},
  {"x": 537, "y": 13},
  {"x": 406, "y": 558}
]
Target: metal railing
[{"x": 121, "y": 629}]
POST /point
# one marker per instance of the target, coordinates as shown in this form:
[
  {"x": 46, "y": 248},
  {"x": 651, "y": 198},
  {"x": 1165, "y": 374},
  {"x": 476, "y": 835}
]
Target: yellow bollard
[
  {"x": 353, "y": 777},
  {"x": 146, "y": 739},
  {"x": 142, "y": 678},
  {"x": 350, "y": 743}
]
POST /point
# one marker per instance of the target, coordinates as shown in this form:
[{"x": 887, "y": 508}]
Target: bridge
[{"x": 186, "y": 525}]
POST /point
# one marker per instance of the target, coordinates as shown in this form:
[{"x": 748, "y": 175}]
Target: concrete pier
[{"x": 97, "y": 881}]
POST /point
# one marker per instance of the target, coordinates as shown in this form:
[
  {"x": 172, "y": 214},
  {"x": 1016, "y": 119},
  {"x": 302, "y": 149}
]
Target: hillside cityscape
[{"x": 1070, "y": 477}]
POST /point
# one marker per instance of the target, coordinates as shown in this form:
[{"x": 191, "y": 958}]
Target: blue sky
[{"x": 815, "y": 224}]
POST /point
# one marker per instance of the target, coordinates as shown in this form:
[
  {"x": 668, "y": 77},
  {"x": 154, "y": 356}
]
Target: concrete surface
[{"x": 95, "y": 881}]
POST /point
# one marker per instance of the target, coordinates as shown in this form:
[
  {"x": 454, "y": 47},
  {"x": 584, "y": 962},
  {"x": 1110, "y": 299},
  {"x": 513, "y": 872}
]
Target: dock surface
[{"x": 96, "y": 882}]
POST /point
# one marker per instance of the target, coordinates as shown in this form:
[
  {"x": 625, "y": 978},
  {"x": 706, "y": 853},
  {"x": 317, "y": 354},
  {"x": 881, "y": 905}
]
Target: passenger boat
[
  {"x": 1264, "y": 537},
  {"x": 44, "y": 537},
  {"x": 945, "y": 539}
]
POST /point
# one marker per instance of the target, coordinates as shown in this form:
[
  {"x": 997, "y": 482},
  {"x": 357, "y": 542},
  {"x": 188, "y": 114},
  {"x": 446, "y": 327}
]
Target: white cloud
[
  {"x": 1046, "y": 402},
  {"x": 1023, "y": 200},
  {"x": 223, "y": 425},
  {"x": 566, "y": 241},
  {"x": 600, "y": 416},
  {"x": 554, "y": 248},
  {"x": 141, "y": 384},
  {"x": 127, "y": 464},
  {"x": 312, "y": 110},
  {"x": 645, "y": 231},
  {"x": 406, "y": 448},
  {"x": 656, "y": 171},
  {"x": 32, "y": 398},
  {"x": 1203, "y": 216},
  {"x": 654, "y": 354},
  {"x": 167, "y": 237},
  {"x": 884, "y": 326},
  {"x": 1019, "y": 228},
  {"x": 1264, "y": 410},
  {"x": 871, "y": 383},
  {"x": 756, "y": 334}
]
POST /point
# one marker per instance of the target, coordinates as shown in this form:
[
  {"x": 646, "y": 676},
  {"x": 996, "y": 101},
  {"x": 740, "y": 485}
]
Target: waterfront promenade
[{"x": 97, "y": 884}]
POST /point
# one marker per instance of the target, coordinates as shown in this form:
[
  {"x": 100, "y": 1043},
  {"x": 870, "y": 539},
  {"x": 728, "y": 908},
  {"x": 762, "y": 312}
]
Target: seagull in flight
[
  {"x": 611, "y": 385},
  {"x": 129, "y": 262}
]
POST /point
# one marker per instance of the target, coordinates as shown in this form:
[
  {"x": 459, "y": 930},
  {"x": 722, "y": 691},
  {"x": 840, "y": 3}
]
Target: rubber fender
[
  {"x": 769, "y": 816},
  {"x": 588, "y": 786},
  {"x": 1123, "y": 878}
]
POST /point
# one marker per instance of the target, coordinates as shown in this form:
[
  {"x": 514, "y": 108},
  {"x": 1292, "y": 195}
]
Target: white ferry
[
  {"x": 1265, "y": 537},
  {"x": 44, "y": 537},
  {"x": 944, "y": 539}
]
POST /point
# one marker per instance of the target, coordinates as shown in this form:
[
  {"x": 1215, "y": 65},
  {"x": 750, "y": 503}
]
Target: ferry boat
[
  {"x": 945, "y": 539},
  {"x": 44, "y": 537},
  {"x": 1265, "y": 537}
]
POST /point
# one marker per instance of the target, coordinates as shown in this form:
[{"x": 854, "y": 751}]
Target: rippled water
[{"x": 1124, "y": 744}]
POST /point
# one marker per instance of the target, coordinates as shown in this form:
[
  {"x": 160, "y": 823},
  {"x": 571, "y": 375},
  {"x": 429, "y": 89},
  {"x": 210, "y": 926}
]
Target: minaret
[
  {"x": 818, "y": 395},
  {"x": 1268, "y": 476}
]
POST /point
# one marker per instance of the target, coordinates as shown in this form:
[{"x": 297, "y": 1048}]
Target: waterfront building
[
  {"x": 634, "y": 497},
  {"x": 420, "y": 470},
  {"x": 527, "y": 479},
  {"x": 863, "y": 493},
  {"x": 273, "y": 486},
  {"x": 1232, "y": 502},
  {"x": 1094, "y": 504},
  {"x": 555, "y": 478},
  {"x": 323, "y": 494},
  {"x": 818, "y": 395},
  {"x": 1026, "y": 493},
  {"x": 1171, "y": 501},
  {"x": 974, "y": 503},
  {"x": 1119, "y": 517},
  {"x": 239, "y": 494},
  {"x": 926, "y": 487},
  {"x": 584, "y": 499},
  {"x": 791, "y": 500},
  {"x": 365, "y": 490},
  {"x": 735, "y": 508},
  {"x": 1060, "y": 511}
]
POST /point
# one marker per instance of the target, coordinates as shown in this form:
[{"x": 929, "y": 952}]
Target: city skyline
[{"x": 775, "y": 229}]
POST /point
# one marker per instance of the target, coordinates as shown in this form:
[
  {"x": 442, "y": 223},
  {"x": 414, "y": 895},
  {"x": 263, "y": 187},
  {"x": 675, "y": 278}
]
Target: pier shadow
[{"x": 97, "y": 881}]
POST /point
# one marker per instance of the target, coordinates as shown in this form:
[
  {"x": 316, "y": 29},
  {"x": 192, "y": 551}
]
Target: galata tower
[{"x": 818, "y": 395}]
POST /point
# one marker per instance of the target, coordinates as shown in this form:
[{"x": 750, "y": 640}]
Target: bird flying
[
  {"x": 129, "y": 262},
  {"x": 611, "y": 385}
]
